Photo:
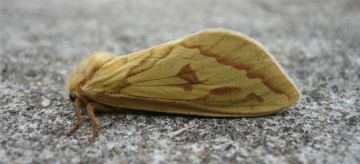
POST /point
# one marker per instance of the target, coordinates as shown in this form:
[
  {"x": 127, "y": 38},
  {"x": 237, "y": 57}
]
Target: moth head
[
  {"x": 84, "y": 72},
  {"x": 72, "y": 97}
]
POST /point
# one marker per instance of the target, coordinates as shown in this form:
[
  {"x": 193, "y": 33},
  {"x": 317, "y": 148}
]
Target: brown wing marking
[
  {"x": 142, "y": 66},
  {"x": 237, "y": 65},
  {"x": 189, "y": 75}
]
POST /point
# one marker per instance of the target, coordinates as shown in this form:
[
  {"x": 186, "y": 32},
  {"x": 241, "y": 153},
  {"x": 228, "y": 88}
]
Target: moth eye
[{"x": 71, "y": 97}]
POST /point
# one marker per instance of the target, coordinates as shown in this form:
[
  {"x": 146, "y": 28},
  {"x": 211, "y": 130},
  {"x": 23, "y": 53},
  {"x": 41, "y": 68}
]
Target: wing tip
[{"x": 294, "y": 91}]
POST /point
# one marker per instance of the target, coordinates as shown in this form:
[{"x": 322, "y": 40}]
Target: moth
[{"x": 214, "y": 72}]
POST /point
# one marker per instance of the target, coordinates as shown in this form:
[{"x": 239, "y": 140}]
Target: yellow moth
[{"x": 215, "y": 72}]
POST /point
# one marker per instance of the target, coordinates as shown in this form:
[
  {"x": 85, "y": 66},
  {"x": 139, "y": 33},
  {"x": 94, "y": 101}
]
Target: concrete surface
[{"x": 317, "y": 43}]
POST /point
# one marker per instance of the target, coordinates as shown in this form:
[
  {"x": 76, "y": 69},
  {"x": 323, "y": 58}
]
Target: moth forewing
[{"x": 214, "y": 72}]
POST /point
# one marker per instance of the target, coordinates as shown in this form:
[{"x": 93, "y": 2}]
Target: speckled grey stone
[{"x": 317, "y": 43}]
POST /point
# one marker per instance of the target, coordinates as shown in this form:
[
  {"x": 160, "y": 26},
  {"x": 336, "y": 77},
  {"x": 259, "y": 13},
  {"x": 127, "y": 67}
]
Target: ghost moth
[{"x": 214, "y": 72}]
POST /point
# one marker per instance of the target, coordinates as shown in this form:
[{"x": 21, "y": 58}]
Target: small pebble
[
  {"x": 45, "y": 102},
  {"x": 92, "y": 153}
]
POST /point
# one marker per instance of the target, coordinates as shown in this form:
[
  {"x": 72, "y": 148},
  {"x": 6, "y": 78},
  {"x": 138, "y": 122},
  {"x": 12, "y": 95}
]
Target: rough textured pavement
[{"x": 317, "y": 43}]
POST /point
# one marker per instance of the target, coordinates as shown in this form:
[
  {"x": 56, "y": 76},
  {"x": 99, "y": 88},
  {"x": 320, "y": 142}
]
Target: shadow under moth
[{"x": 214, "y": 72}]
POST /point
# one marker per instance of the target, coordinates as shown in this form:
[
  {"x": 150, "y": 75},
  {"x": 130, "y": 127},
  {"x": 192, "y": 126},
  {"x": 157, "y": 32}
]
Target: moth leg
[
  {"x": 78, "y": 119},
  {"x": 94, "y": 121}
]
